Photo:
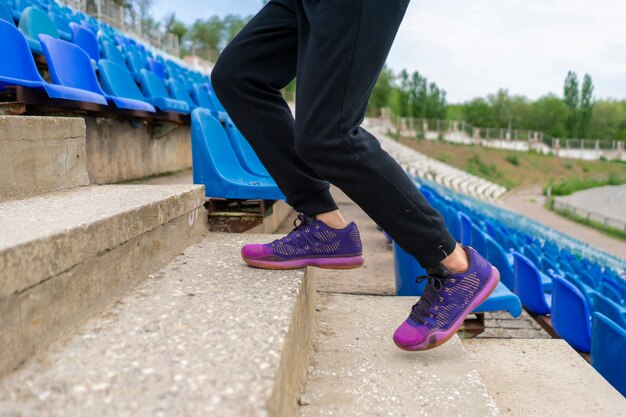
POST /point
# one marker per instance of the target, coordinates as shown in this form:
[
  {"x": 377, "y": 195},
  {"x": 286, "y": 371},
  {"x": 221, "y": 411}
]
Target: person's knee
[
  {"x": 224, "y": 77},
  {"x": 310, "y": 149}
]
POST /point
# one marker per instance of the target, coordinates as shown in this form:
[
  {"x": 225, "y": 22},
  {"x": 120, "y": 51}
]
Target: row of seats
[
  {"x": 130, "y": 76},
  {"x": 585, "y": 299}
]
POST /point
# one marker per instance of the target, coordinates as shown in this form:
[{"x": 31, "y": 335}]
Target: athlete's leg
[{"x": 247, "y": 79}]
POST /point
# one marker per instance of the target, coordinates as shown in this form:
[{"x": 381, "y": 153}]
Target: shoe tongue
[{"x": 439, "y": 270}]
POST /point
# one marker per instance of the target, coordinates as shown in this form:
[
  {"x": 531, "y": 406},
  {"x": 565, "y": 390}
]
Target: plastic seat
[
  {"x": 498, "y": 258},
  {"x": 5, "y": 14},
  {"x": 479, "y": 240},
  {"x": 246, "y": 155},
  {"x": 112, "y": 53},
  {"x": 608, "y": 344},
  {"x": 610, "y": 292},
  {"x": 117, "y": 82},
  {"x": 528, "y": 286},
  {"x": 611, "y": 309},
  {"x": 153, "y": 88},
  {"x": 34, "y": 22},
  {"x": 86, "y": 40},
  {"x": 501, "y": 299},
  {"x": 17, "y": 68},
  {"x": 570, "y": 315},
  {"x": 156, "y": 67},
  {"x": 178, "y": 91},
  {"x": 406, "y": 270},
  {"x": 466, "y": 229},
  {"x": 18, "y": 7},
  {"x": 63, "y": 26},
  {"x": 135, "y": 61},
  {"x": 216, "y": 166},
  {"x": 200, "y": 96}
]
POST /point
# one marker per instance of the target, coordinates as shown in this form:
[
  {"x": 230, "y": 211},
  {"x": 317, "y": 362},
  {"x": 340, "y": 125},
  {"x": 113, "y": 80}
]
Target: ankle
[
  {"x": 457, "y": 262},
  {"x": 332, "y": 219}
]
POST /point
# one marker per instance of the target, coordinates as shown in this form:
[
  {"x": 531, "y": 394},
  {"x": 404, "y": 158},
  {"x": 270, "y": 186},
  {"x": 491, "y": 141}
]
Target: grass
[
  {"x": 607, "y": 230},
  {"x": 516, "y": 169},
  {"x": 569, "y": 186}
]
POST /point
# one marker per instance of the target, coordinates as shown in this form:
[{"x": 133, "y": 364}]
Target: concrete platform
[
  {"x": 542, "y": 378},
  {"x": 41, "y": 154},
  {"x": 204, "y": 336},
  {"x": 65, "y": 254},
  {"x": 358, "y": 371}
]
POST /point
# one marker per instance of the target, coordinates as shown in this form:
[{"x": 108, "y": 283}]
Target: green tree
[
  {"x": 206, "y": 36},
  {"x": 608, "y": 120},
  {"x": 548, "y": 114},
  {"x": 586, "y": 105},
  {"x": 571, "y": 98},
  {"x": 381, "y": 95}
]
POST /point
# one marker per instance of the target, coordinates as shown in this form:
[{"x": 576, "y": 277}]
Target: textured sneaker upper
[
  {"x": 311, "y": 238},
  {"x": 442, "y": 302}
]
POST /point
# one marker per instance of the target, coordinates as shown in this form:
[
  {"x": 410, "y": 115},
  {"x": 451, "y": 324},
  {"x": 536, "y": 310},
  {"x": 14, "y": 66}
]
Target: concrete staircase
[{"x": 116, "y": 301}]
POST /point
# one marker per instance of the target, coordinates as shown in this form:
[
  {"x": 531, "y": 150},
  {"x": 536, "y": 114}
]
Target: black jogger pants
[{"x": 336, "y": 49}]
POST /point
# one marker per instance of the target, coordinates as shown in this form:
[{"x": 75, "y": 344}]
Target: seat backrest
[
  {"x": 528, "y": 285},
  {"x": 151, "y": 85},
  {"x": 112, "y": 53},
  {"x": 17, "y": 60},
  {"x": 178, "y": 91},
  {"x": 5, "y": 14},
  {"x": 60, "y": 22},
  {"x": 117, "y": 81},
  {"x": 34, "y": 22},
  {"x": 498, "y": 258},
  {"x": 610, "y": 309},
  {"x": 466, "y": 229},
  {"x": 532, "y": 255},
  {"x": 86, "y": 40},
  {"x": 610, "y": 292},
  {"x": 479, "y": 239},
  {"x": 608, "y": 344},
  {"x": 156, "y": 67},
  {"x": 570, "y": 314},
  {"x": 135, "y": 60},
  {"x": 201, "y": 97},
  {"x": 211, "y": 146},
  {"x": 69, "y": 65}
]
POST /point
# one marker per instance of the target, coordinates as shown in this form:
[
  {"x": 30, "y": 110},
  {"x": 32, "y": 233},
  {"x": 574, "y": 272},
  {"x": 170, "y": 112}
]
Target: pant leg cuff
[
  {"x": 433, "y": 255},
  {"x": 315, "y": 202}
]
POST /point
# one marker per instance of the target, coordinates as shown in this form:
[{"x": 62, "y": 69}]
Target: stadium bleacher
[{"x": 552, "y": 274}]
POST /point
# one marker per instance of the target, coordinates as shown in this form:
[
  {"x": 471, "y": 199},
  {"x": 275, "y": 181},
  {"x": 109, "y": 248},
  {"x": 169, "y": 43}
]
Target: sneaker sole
[
  {"x": 438, "y": 338},
  {"x": 349, "y": 262}
]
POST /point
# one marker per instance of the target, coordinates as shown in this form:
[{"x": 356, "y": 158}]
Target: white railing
[{"x": 614, "y": 223}]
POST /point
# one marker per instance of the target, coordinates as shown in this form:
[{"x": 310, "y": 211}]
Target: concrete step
[
  {"x": 65, "y": 254},
  {"x": 204, "y": 336},
  {"x": 356, "y": 370},
  {"x": 542, "y": 378},
  {"x": 41, "y": 154}
]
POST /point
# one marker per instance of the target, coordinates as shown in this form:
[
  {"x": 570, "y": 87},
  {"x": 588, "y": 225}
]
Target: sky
[{"x": 474, "y": 47}]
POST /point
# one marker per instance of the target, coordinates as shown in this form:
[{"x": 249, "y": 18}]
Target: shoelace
[
  {"x": 419, "y": 312},
  {"x": 299, "y": 223}
]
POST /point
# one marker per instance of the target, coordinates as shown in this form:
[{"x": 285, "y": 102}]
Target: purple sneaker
[
  {"x": 310, "y": 243},
  {"x": 447, "y": 300}
]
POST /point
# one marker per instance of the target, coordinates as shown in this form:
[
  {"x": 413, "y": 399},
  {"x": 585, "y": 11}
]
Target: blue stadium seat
[
  {"x": 156, "y": 67},
  {"x": 117, "y": 82},
  {"x": 571, "y": 318},
  {"x": 5, "y": 14},
  {"x": 611, "y": 292},
  {"x": 216, "y": 166},
  {"x": 501, "y": 299},
  {"x": 86, "y": 40},
  {"x": 610, "y": 309},
  {"x": 200, "y": 96},
  {"x": 135, "y": 61},
  {"x": 498, "y": 258},
  {"x": 34, "y": 22},
  {"x": 466, "y": 229},
  {"x": 178, "y": 91},
  {"x": 112, "y": 53},
  {"x": 63, "y": 26},
  {"x": 479, "y": 240},
  {"x": 246, "y": 155},
  {"x": 153, "y": 88},
  {"x": 18, "y": 7},
  {"x": 528, "y": 286},
  {"x": 17, "y": 68},
  {"x": 406, "y": 270},
  {"x": 608, "y": 344}
]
